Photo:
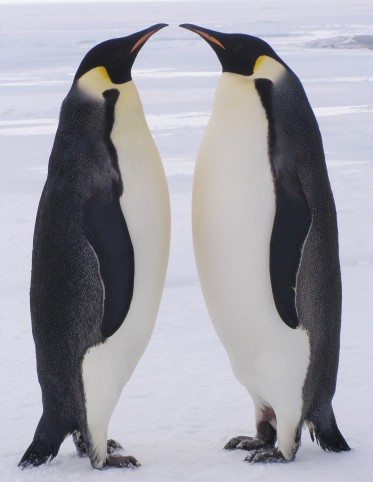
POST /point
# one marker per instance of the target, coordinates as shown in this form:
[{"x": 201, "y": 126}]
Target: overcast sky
[
  {"x": 81, "y": 1},
  {"x": 87, "y": 1}
]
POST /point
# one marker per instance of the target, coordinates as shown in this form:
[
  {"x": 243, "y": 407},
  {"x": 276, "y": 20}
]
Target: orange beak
[
  {"x": 147, "y": 35},
  {"x": 210, "y": 38}
]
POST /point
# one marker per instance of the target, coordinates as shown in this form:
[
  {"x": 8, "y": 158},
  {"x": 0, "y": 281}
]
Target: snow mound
[{"x": 344, "y": 42}]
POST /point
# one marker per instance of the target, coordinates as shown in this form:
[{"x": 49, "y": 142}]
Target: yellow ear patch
[
  {"x": 259, "y": 62},
  {"x": 268, "y": 68},
  {"x": 96, "y": 81},
  {"x": 103, "y": 72}
]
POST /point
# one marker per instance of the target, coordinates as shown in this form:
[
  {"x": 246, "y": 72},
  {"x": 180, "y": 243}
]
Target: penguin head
[
  {"x": 242, "y": 54},
  {"x": 110, "y": 62}
]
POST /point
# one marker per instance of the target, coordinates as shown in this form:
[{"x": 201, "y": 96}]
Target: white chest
[
  {"x": 145, "y": 200},
  {"x": 145, "y": 204},
  {"x": 146, "y": 208},
  {"x": 234, "y": 200},
  {"x": 233, "y": 213}
]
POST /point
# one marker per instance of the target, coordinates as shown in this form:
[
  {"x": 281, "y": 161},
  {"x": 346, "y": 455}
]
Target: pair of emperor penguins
[{"x": 265, "y": 240}]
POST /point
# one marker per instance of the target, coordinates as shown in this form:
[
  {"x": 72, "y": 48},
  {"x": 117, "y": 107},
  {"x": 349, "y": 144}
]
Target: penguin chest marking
[
  {"x": 233, "y": 213},
  {"x": 145, "y": 204}
]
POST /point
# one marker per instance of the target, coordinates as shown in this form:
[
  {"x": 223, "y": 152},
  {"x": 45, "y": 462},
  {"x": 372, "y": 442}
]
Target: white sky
[
  {"x": 80, "y": 1},
  {"x": 86, "y": 1}
]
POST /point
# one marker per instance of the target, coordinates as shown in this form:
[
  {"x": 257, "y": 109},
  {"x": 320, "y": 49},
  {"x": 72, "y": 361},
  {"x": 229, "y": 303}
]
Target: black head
[
  {"x": 116, "y": 56},
  {"x": 239, "y": 53}
]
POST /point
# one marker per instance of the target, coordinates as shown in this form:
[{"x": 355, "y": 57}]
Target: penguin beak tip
[
  {"x": 204, "y": 33},
  {"x": 158, "y": 26},
  {"x": 188, "y": 26}
]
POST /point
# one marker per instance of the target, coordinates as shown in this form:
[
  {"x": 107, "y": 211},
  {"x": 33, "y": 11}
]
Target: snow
[{"x": 183, "y": 403}]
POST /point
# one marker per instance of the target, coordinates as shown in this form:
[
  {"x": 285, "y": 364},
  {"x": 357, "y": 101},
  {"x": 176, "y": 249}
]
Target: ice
[
  {"x": 342, "y": 42},
  {"x": 183, "y": 403},
  {"x": 342, "y": 110}
]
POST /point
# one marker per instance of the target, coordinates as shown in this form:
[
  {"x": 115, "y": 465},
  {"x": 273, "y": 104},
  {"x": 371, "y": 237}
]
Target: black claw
[
  {"x": 120, "y": 461},
  {"x": 265, "y": 456},
  {"x": 250, "y": 458},
  {"x": 113, "y": 445},
  {"x": 248, "y": 443},
  {"x": 236, "y": 442}
]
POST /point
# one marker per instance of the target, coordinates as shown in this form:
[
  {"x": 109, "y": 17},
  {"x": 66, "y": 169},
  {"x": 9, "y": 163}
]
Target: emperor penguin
[
  {"x": 100, "y": 254},
  {"x": 266, "y": 247}
]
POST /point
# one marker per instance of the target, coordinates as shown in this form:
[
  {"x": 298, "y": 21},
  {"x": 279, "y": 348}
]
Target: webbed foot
[
  {"x": 266, "y": 456},
  {"x": 121, "y": 461},
  {"x": 247, "y": 443},
  {"x": 112, "y": 445}
]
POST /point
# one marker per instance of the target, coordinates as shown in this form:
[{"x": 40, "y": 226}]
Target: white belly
[
  {"x": 233, "y": 213},
  {"x": 145, "y": 204}
]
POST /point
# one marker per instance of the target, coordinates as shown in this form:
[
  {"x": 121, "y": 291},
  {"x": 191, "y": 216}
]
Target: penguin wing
[
  {"x": 290, "y": 229},
  {"x": 107, "y": 232},
  {"x": 290, "y": 116}
]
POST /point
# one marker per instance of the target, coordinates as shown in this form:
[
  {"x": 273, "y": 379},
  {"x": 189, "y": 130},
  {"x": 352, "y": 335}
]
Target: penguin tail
[
  {"x": 44, "y": 447},
  {"x": 327, "y": 435},
  {"x": 37, "y": 454}
]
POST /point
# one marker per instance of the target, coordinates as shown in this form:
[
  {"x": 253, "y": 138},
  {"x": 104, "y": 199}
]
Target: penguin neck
[
  {"x": 129, "y": 113},
  {"x": 235, "y": 103},
  {"x": 230, "y": 91},
  {"x": 130, "y": 133},
  {"x": 129, "y": 102},
  {"x": 129, "y": 95},
  {"x": 95, "y": 84}
]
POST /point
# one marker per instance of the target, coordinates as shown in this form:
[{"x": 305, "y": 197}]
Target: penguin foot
[
  {"x": 121, "y": 461},
  {"x": 266, "y": 456},
  {"x": 112, "y": 445},
  {"x": 247, "y": 443}
]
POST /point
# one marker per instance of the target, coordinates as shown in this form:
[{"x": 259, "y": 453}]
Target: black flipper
[
  {"x": 293, "y": 214},
  {"x": 107, "y": 232},
  {"x": 290, "y": 228}
]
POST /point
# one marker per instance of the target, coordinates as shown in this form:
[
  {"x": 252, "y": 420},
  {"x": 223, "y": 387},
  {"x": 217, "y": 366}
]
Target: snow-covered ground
[{"x": 183, "y": 402}]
